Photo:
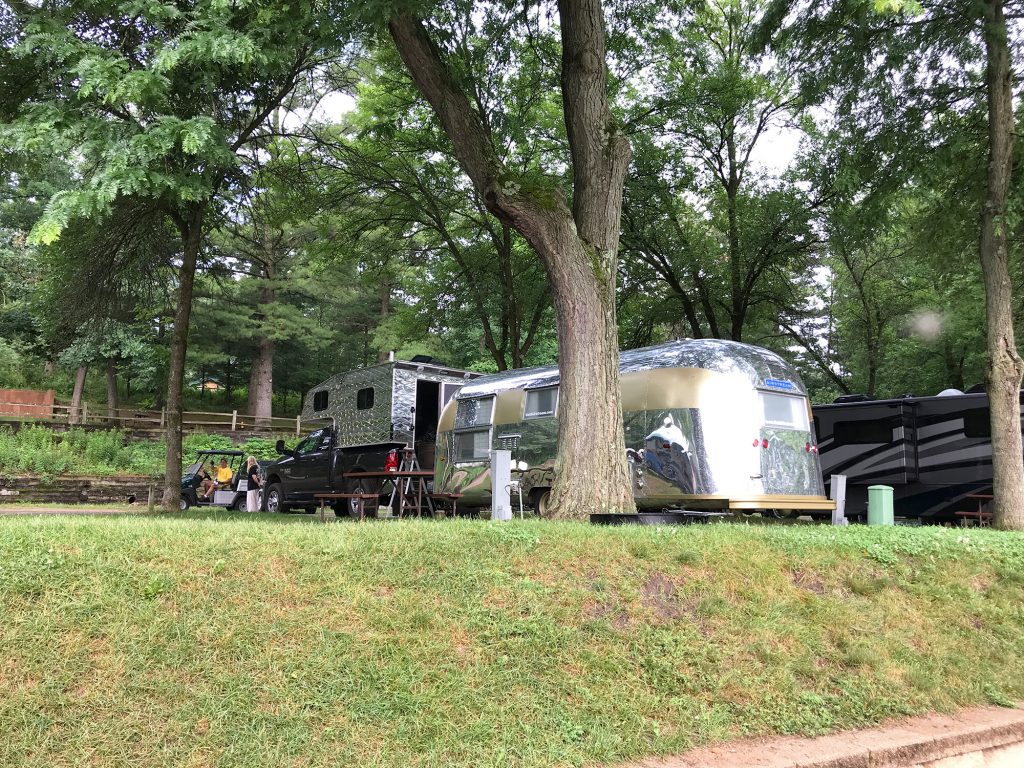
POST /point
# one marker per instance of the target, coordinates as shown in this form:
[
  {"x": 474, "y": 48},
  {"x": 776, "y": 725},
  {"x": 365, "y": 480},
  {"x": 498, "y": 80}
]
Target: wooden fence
[{"x": 142, "y": 420}]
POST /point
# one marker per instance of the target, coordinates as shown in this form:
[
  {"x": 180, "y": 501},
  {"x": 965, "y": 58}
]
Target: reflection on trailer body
[{"x": 709, "y": 424}]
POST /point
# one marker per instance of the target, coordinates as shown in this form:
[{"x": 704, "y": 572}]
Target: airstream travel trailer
[
  {"x": 394, "y": 402},
  {"x": 710, "y": 424},
  {"x": 933, "y": 451}
]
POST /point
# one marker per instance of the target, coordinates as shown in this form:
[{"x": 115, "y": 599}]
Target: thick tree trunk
[
  {"x": 578, "y": 248},
  {"x": 261, "y": 380},
  {"x": 112, "y": 390},
  {"x": 192, "y": 236},
  {"x": 1005, "y": 367},
  {"x": 75, "y": 415}
]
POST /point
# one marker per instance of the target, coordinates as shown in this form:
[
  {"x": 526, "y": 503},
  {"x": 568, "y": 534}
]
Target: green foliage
[
  {"x": 43, "y": 451},
  {"x": 11, "y": 366}
]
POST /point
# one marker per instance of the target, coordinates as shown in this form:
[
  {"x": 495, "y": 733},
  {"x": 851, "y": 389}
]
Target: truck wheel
[{"x": 275, "y": 498}]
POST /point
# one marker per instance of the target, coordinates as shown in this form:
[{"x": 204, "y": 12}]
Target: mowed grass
[{"x": 217, "y": 641}]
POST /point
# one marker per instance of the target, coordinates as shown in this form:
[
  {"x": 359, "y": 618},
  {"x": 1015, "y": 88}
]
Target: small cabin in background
[{"x": 398, "y": 401}]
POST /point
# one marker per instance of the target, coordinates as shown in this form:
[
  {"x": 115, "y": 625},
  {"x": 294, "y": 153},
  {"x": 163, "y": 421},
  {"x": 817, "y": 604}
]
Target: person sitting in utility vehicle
[
  {"x": 206, "y": 485},
  {"x": 224, "y": 474}
]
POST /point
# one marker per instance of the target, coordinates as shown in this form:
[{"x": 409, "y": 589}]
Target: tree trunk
[
  {"x": 192, "y": 236},
  {"x": 385, "y": 309},
  {"x": 261, "y": 380},
  {"x": 737, "y": 309},
  {"x": 578, "y": 247},
  {"x": 75, "y": 415},
  {"x": 112, "y": 390},
  {"x": 1005, "y": 367}
]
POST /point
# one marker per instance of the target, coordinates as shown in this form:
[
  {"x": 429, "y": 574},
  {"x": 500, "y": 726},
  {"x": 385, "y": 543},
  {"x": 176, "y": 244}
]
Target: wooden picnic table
[
  {"x": 409, "y": 484},
  {"x": 980, "y": 516}
]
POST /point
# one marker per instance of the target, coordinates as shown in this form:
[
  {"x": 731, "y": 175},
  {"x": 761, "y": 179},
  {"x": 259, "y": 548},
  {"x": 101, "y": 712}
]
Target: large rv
[
  {"x": 933, "y": 451},
  {"x": 709, "y": 424}
]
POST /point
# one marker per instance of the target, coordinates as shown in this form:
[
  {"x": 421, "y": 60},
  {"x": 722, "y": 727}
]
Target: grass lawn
[{"x": 209, "y": 640}]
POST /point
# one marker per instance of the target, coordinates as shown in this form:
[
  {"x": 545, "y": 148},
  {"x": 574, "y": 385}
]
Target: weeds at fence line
[{"x": 41, "y": 451}]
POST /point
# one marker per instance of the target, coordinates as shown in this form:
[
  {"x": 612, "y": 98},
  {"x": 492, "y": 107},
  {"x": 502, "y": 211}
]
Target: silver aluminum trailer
[{"x": 709, "y": 424}]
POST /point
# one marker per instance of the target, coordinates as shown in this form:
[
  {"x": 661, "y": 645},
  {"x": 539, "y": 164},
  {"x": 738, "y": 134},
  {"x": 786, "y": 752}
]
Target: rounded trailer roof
[{"x": 761, "y": 367}]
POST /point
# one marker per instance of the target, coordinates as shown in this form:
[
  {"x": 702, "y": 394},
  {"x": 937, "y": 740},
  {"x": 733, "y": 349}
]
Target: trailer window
[
  {"x": 474, "y": 412},
  {"x": 541, "y": 403},
  {"x": 863, "y": 432},
  {"x": 472, "y": 445},
  {"x": 977, "y": 424},
  {"x": 784, "y": 411},
  {"x": 364, "y": 399},
  {"x": 320, "y": 400}
]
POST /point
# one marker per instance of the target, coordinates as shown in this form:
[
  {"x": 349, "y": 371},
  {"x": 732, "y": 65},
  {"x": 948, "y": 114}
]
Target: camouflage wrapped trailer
[
  {"x": 709, "y": 425},
  {"x": 394, "y": 402}
]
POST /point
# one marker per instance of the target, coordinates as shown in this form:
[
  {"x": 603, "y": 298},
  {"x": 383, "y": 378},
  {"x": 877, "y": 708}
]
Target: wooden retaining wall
[{"x": 23, "y": 489}]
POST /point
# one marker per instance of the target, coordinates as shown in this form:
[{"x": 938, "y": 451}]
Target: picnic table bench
[
  {"x": 980, "y": 516},
  {"x": 360, "y": 498}
]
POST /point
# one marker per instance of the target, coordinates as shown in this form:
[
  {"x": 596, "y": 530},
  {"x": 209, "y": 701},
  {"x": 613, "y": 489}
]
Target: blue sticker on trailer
[{"x": 779, "y": 384}]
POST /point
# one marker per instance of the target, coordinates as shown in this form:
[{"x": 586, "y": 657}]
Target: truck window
[
  {"x": 784, "y": 411},
  {"x": 864, "y": 432},
  {"x": 364, "y": 399},
  {"x": 541, "y": 403},
  {"x": 320, "y": 400},
  {"x": 311, "y": 443}
]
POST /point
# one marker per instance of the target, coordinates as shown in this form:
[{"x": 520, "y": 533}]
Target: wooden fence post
[
  {"x": 85, "y": 411},
  {"x": 234, "y": 420},
  {"x": 163, "y": 415},
  {"x": 298, "y": 425}
]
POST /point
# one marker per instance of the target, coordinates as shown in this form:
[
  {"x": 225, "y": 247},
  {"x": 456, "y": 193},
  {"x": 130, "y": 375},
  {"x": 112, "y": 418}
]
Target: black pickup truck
[{"x": 317, "y": 465}]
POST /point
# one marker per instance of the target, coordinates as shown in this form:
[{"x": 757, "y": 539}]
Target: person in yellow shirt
[{"x": 224, "y": 474}]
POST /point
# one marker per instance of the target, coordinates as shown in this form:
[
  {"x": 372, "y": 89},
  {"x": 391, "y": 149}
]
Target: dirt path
[{"x": 984, "y": 736}]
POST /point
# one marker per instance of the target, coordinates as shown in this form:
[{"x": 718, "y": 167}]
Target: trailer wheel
[
  {"x": 239, "y": 505},
  {"x": 183, "y": 503},
  {"x": 542, "y": 502}
]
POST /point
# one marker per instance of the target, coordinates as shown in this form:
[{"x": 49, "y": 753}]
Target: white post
[
  {"x": 501, "y": 479},
  {"x": 839, "y": 497},
  {"x": 298, "y": 425},
  {"x": 234, "y": 420}
]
